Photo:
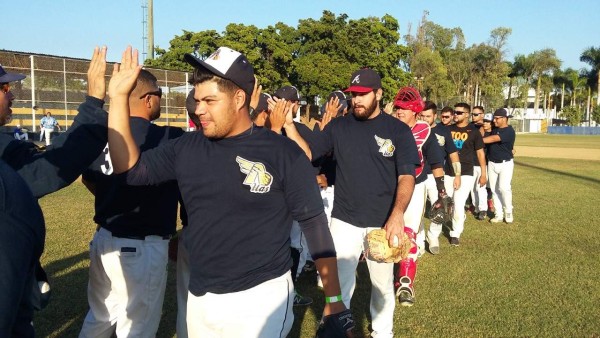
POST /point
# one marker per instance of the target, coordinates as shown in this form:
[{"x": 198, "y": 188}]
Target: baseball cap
[
  {"x": 228, "y": 64},
  {"x": 341, "y": 97},
  {"x": 364, "y": 80},
  {"x": 409, "y": 98},
  {"x": 488, "y": 117},
  {"x": 502, "y": 112},
  {"x": 263, "y": 103},
  {"x": 289, "y": 93},
  {"x": 9, "y": 77}
]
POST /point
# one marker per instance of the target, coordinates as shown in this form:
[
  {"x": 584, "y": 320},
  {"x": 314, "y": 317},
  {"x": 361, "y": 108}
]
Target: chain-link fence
[{"x": 58, "y": 85}]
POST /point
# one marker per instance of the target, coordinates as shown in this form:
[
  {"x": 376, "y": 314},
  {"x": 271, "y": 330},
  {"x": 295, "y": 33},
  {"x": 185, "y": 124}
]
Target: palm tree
[
  {"x": 591, "y": 56},
  {"x": 544, "y": 61}
]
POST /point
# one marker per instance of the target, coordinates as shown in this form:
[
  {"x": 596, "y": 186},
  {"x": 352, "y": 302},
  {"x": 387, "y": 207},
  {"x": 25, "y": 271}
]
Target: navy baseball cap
[
  {"x": 502, "y": 112},
  {"x": 263, "y": 103},
  {"x": 228, "y": 64},
  {"x": 9, "y": 77},
  {"x": 341, "y": 97},
  {"x": 364, "y": 80},
  {"x": 289, "y": 93}
]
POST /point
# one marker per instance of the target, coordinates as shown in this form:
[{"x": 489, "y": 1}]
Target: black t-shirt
[
  {"x": 475, "y": 158},
  {"x": 135, "y": 210},
  {"x": 370, "y": 156},
  {"x": 502, "y": 151},
  {"x": 467, "y": 140},
  {"x": 241, "y": 194}
]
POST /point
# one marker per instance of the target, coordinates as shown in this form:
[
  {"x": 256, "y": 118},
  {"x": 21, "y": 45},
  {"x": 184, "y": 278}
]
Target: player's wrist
[{"x": 333, "y": 299}]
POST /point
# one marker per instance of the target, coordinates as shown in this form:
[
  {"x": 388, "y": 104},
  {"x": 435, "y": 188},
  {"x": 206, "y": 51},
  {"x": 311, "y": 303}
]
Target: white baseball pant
[
  {"x": 264, "y": 311},
  {"x": 459, "y": 197},
  {"x": 183, "y": 282},
  {"x": 478, "y": 194},
  {"x": 500, "y": 177},
  {"x": 349, "y": 244},
  {"x": 126, "y": 286}
]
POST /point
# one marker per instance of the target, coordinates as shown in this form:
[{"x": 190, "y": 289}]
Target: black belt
[
  {"x": 139, "y": 238},
  {"x": 500, "y": 161}
]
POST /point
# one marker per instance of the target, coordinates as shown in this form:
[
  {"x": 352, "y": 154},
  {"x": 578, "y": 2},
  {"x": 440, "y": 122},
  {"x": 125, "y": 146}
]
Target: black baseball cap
[
  {"x": 9, "y": 77},
  {"x": 263, "y": 103},
  {"x": 364, "y": 80},
  {"x": 289, "y": 93},
  {"x": 341, "y": 97},
  {"x": 228, "y": 64},
  {"x": 502, "y": 112}
]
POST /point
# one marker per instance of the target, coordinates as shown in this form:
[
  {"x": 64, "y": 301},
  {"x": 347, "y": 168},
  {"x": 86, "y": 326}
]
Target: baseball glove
[
  {"x": 441, "y": 211},
  {"x": 378, "y": 249},
  {"x": 338, "y": 325}
]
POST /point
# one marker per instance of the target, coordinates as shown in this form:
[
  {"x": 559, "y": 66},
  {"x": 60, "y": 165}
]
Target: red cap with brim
[{"x": 358, "y": 89}]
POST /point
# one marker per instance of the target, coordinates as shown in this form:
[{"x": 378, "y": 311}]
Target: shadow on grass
[{"x": 557, "y": 172}]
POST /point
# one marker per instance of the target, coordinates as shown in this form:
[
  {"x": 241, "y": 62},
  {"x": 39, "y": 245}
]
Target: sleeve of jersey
[
  {"x": 154, "y": 166},
  {"x": 68, "y": 156},
  {"x": 433, "y": 153},
  {"x": 318, "y": 237},
  {"x": 321, "y": 142},
  {"x": 301, "y": 190},
  {"x": 406, "y": 155}
]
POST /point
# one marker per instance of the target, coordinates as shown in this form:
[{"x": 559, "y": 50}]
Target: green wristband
[{"x": 333, "y": 299}]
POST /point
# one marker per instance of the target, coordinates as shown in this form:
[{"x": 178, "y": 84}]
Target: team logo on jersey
[
  {"x": 441, "y": 140},
  {"x": 385, "y": 146},
  {"x": 257, "y": 177}
]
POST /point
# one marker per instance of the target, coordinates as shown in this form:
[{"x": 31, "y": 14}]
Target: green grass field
[
  {"x": 537, "y": 277},
  {"x": 562, "y": 141}
]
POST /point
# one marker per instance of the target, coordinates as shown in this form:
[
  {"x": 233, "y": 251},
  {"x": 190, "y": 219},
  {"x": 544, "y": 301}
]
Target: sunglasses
[
  {"x": 457, "y": 112},
  {"x": 475, "y": 114},
  {"x": 156, "y": 93},
  {"x": 5, "y": 87},
  {"x": 446, "y": 116}
]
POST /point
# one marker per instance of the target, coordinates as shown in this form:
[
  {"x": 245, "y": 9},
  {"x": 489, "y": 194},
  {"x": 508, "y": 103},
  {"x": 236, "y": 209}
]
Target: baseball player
[
  {"x": 478, "y": 193},
  {"x": 407, "y": 105},
  {"x": 444, "y": 140},
  {"x": 447, "y": 116},
  {"x": 128, "y": 254},
  {"x": 242, "y": 186},
  {"x": 44, "y": 173},
  {"x": 375, "y": 175},
  {"x": 467, "y": 140},
  {"x": 501, "y": 165},
  {"x": 47, "y": 124}
]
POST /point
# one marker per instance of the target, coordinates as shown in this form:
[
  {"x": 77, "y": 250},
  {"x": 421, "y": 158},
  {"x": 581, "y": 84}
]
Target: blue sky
[{"x": 72, "y": 28}]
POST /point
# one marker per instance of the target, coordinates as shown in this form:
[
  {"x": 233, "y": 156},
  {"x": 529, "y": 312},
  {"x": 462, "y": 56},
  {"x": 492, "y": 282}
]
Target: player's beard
[{"x": 367, "y": 111}]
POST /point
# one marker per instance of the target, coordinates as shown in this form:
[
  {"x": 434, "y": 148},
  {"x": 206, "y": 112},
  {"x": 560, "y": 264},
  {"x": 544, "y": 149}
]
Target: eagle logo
[
  {"x": 385, "y": 146},
  {"x": 441, "y": 140},
  {"x": 257, "y": 177}
]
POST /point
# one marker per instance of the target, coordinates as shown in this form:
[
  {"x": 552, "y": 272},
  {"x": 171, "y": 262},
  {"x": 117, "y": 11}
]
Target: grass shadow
[{"x": 558, "y": 172}]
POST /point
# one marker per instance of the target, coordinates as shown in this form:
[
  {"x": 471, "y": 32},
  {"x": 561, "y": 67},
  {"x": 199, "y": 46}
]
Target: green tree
[
  {"x": 596, "y": 114},
  {"x": 573, "y": 115},
  {"x": 544, "y": 62},
  {"x": 591, "y": 56}
]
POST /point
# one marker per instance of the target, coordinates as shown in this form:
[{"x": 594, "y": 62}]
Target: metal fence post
[
  {"x": 33, "y": 123},
  {"x": 65, "y": 90}
]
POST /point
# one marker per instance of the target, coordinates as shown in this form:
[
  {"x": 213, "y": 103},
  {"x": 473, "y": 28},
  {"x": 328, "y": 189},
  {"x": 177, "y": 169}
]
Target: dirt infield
[{"x": 552, "y": 152}]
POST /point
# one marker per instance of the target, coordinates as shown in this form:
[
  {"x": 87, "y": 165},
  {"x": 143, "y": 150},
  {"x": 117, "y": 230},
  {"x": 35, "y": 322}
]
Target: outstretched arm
[{"x": 124, "y": 151}]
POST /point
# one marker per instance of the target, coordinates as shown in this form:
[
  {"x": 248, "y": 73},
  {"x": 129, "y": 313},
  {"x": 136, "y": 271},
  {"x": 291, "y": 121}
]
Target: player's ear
[
  {"x": 379, "y": 94},
  {"x": 239, "y": 98}
]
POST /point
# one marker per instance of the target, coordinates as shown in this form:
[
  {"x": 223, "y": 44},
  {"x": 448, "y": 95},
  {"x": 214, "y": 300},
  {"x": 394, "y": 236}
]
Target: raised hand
[
  {"x": 278, "y": 116},
  {"x": 255, "y": 94},
  {"x": 332, "y": 107},
  {"x": 96, "y": 72},
  {"x": 124, "y": 75}
]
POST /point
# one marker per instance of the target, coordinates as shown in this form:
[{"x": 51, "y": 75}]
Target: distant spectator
[
  {"x": 20, "y": 133},
  {"x": 48, "y": 123}
]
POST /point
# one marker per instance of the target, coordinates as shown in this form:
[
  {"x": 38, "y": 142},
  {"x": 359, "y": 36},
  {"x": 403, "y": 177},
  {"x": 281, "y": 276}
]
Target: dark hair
[
  {"x": 463, "y": 105},
  {"x": 145, "y": 81},
  {"x": 202, "y": 75},
  {"x": 447, "y": 109},
  {"x": 430, "y": 105},
  {"x": 479, "y": 107}
]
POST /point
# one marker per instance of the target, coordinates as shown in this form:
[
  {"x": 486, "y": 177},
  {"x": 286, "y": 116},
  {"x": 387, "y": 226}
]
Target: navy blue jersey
[
  {"x": 467, "y": 140},
  {"x": 370, "y": 156},
  {"x": 135, "y": 210},
  {"x": 241, "y": 194},
  {"x": 502, "y": 151},
  {"x": 69, "y": 155}
]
